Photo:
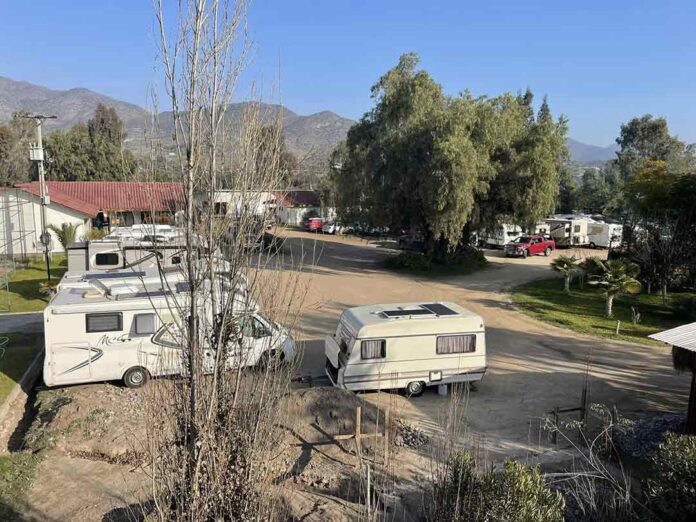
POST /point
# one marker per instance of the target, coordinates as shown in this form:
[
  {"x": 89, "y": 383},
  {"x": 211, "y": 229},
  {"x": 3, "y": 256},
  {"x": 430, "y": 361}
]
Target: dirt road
[{"x": 532, "y": 367}]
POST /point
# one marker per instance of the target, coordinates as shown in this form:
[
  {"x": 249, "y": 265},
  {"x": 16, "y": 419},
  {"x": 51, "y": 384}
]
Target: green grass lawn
[
  {"x": 583, "y": 310},
  {"x": 15, "y": 357},
  {"x": 17, "y": 472},
  {"x": 25, "y": 283}
]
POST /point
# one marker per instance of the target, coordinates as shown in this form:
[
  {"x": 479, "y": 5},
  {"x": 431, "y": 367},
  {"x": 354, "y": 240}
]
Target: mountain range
[{"x": 311, "y": 138}]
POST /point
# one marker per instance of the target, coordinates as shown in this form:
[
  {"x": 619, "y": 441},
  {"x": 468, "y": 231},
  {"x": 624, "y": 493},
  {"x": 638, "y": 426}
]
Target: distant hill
[
  {"x": 311, "y": 137},
  {"x": 584, "y": 153},
  {"x": 71, "y": 106}
]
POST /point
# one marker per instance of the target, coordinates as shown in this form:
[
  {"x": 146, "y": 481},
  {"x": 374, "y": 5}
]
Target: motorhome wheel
[
  {"x": 415, "y": 388},
  {"x": 592, "y": 245},
  {"x": 135, "y": 377}
]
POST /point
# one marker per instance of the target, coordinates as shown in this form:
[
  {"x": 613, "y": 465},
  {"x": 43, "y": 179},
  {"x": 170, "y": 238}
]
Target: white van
[
  {"x": 406, "y": 345},
  {"x": 133, "y": 330}
]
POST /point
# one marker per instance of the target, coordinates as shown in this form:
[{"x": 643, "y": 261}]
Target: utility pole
[{"x": 36, "y": 154}]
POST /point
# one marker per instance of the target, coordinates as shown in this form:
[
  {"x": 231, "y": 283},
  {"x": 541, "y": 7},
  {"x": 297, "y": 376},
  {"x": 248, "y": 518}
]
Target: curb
[{"x": 27, "y": 381}]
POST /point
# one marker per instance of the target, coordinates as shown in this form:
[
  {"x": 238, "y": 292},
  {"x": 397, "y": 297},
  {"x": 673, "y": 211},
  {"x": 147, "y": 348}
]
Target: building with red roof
[{"x": 126, "y": 203}]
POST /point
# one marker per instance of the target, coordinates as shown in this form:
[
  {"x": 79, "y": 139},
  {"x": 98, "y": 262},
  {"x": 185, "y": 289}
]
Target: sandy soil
[{"x": 533, "y": 368}]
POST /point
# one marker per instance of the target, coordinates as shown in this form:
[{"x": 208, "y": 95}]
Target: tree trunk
[
  {"x": 610, "y": 306},
  {"x": 566, "y": 284},
  {"x": 664, "y": 294},
  {"x": 690, "y": 427},
  {"x": 649, "y": 289}
]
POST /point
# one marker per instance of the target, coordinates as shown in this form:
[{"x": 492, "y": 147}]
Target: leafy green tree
[
  {"x": 66, "y": 233},
  {"x": 566, "y": 265},
  {"x": 90, "y": 152},
  {"x": 568, "y": 192},
  {"x": 15, "y": 138},
  {"x": 616, "y": 277},
  {"x": 425, "y": 162}
]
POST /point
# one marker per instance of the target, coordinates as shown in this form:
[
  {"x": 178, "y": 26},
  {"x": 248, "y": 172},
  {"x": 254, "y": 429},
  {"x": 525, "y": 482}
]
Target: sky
[{"x": 599, "y": 62}]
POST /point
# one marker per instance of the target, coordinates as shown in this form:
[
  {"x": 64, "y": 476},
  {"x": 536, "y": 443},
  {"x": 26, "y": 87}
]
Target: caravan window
[
  {"x": 144, "y": 324},
  {"x": 106, "y": 259},
  {"x": 373, "y": 349},
  {"x": 448, "y": 344},
  {"x": 112, "y": 322}
]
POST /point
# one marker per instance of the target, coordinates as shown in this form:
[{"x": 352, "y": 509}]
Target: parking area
[{"x": 532, "y": 367}]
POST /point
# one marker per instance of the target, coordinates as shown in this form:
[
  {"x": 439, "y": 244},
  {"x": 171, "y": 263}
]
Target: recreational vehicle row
[
  {"x": 130, "y": 328},
  {"x": 406, "y": 345}
]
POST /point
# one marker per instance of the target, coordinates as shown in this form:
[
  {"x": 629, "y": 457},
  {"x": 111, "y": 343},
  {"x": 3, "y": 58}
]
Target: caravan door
[{"x": 71, "y": 362}]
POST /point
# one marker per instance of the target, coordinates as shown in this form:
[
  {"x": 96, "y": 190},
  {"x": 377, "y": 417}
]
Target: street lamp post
[{"x": 36, "y": 154}]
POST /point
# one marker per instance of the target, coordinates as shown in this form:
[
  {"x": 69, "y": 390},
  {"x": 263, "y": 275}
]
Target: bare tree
[{"x": 213, "y": 433}]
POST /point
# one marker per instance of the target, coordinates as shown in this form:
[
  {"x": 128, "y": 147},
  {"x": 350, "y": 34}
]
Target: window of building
[
  {"x": 107, "y": 259},
  {"x": 108, "y": 322},
  {"x": 373, "y": 349},
  {"x": 145, "y": 324},
  {"x": 220, "y": 209},
  {"x": 447, "y": 344}
]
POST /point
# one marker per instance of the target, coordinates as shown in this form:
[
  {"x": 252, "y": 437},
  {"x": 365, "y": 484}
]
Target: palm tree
[
  {"x": 567, "y": 265},
  {"x": 616, "y": 277},
  {"x": 67, "y": 233}
]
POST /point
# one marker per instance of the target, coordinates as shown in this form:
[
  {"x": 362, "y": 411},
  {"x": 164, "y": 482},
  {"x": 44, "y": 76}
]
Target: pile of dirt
[
  {"x": 325, "y": 477},
  {"x": 101, "y": 421}
]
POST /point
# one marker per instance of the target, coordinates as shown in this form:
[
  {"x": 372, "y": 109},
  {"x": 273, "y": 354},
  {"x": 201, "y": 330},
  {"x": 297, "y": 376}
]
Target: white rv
[
  {"x": 568, "y": 231},
  {"x": 132, "y": 330},
  {"x": 122, "y": 252},
  {"x": 604, "y": 235},
  {"x": 406, "y": 345},
  {"x": 500, "y": 236}
]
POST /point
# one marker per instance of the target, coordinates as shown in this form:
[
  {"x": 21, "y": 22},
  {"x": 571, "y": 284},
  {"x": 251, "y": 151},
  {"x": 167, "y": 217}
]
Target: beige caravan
[{"x": 406, "y": 345}]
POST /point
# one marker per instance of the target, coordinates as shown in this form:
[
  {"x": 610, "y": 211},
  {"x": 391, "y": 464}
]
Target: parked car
[
  {"x": 530, "y": 246},
  {"x": 314, "y": 224},
  {"x": 331, "y": 227}
]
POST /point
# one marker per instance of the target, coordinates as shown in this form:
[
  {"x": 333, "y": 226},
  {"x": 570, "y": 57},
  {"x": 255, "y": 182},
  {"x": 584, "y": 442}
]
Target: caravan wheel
[
  {"x": 136, "y": 377},
  {"x": 415, "y": 388}
]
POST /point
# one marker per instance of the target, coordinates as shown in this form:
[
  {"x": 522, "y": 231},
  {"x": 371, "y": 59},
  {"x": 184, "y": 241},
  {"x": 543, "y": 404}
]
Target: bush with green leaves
[
  {"x": 517, "y": 494},
  {"x": 66, "y": 233},
  {"x": 672, "y": 487}
]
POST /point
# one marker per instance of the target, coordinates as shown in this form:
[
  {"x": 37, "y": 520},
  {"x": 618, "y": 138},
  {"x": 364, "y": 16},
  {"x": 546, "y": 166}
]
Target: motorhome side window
[
  {"x": 112, "y": 322},
  {"x": 106, "y": 259},
  {"x": 373, "y": 349},
  {"x": 144, "y": 324},
  {"x": 448, "y": 344}
]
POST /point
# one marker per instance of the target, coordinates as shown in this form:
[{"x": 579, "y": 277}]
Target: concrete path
[{"x": 24, "y": 322}]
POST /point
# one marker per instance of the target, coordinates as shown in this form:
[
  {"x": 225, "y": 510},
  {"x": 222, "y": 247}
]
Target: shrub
[
  {"x": 518, "y": 494},
  {"x": 411, "y": 261},
  {"x": 672, "y": 487},
  {"x": 95, "y": 233},
  {"x": 686, "y": 309}
]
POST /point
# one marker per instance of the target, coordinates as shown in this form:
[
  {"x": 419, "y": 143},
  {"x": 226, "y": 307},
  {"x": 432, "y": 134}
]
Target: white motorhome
[
  {"x": 604, "y": 235},
  {"x": 500, "y": 236},
  {"x": 132, "y": 330},
  {"x": 406, "y": 345},
  {"x": 122, "y": 252},
  {"x": 568, "y": 231}
]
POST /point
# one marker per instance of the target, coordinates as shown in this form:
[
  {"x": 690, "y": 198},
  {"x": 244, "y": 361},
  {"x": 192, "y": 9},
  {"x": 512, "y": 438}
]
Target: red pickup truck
[{"x": 530, "y": 245}]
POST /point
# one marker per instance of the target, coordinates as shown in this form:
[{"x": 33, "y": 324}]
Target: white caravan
[
  {"x": 604, "y": 235},
  {"x": 406, "y": 345},
  {"x": 568, "y": 231},
  {"x": 500, "y": 236},
  {"x": 133, "y": 330}
]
